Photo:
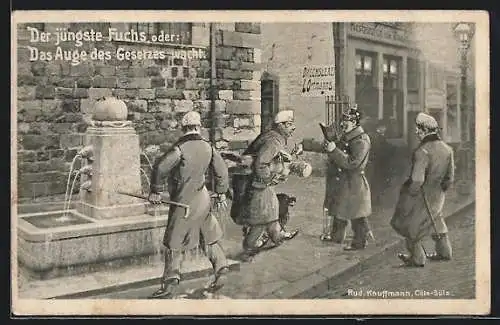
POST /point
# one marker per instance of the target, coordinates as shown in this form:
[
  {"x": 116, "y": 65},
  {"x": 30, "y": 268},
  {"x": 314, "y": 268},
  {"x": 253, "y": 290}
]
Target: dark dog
[{"x": 285, "y": 202}]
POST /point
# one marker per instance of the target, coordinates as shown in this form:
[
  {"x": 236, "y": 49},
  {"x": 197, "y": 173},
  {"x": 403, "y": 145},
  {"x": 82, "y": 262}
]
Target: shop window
[
  {"x": 366, "y": 92},
  {"x": 393, "y": 109},
  {"x": 436, "y": 77},
  {"x": 413, "y": 74}
]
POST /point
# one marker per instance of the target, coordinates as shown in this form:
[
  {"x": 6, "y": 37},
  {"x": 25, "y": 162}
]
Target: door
[{"x": 269, "y": 88}]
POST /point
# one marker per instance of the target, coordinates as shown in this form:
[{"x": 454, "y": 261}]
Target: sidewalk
[
  {"x": 299, "y": 268},
  {"x": 305, "y": 265}
]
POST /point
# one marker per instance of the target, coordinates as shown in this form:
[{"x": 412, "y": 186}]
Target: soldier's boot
[
  {"x": 361, "y": 230},
  {"x": 416, "y": 258},
  {"x": 171, "y": 275},
  {"x": 218, "y": 259},
  {"x": 443, "y": 248},
  {"x": 252, "y": 243},
  {"x": 339, "y": 229},
  {"x": 277, "y": 235},
  {"x": 327, "y": 227}
]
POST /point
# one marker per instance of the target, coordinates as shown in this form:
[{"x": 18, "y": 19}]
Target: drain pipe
[{"x": 213, "y": 93}]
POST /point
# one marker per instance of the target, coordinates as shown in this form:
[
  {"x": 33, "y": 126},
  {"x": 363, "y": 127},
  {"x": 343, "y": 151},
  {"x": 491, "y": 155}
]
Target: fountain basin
[{"x": 57, "y": 243}]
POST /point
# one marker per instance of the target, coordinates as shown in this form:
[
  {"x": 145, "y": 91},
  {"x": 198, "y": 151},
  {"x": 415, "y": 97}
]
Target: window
[
  {"x": 393, "y": 109},
  {"x": 391, "y": 73},
  {"x": 366, "y": 94},
  {"x": 364, "y": 64},
  {"x": 413, "y": 74},
  {"x": 436, "y": 77},
  {"x": 175, "y": 33}
]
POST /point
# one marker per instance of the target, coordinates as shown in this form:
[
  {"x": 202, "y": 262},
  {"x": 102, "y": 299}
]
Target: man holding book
[{"x": 347, "y": 196}]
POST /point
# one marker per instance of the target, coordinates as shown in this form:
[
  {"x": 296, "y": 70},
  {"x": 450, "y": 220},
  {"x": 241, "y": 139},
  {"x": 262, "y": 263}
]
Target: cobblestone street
[
  {"x": 289, "y": 265},
  {"x": 453, "y": 279}
]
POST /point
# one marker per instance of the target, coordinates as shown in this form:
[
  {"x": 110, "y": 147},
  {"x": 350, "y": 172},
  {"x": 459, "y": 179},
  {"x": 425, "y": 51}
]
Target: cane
[{"x": 185, "y": 206}]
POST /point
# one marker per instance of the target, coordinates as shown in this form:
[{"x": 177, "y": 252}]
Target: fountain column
[{"x": 115, "y": 163}]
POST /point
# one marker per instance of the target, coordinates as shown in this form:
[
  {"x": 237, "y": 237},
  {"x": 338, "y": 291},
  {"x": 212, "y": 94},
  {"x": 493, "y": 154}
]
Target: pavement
[
  {"x": 437, "y": 280},
  {"x": 304, "y": 267}
]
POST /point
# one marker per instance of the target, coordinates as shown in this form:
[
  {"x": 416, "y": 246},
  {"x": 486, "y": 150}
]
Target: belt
[{"x": 340, "y": 171}]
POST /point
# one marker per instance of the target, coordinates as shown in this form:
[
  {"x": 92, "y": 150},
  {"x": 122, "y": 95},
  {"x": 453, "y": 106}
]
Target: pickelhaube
[{"x": 352, "y": 114}]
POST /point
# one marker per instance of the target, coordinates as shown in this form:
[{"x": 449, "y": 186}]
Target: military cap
[
  {"x": 283, "y": 116},
  {"x": 352, "y": 114},
  {"x": 191, "y": 118},
  {"x": 426, "y": 121}
]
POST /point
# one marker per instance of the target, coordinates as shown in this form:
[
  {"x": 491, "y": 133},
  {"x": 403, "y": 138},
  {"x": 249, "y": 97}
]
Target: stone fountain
[{"x": 104, "y": 229}]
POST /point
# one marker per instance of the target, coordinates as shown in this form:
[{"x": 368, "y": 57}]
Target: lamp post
[{"x": 464, "y": 33}]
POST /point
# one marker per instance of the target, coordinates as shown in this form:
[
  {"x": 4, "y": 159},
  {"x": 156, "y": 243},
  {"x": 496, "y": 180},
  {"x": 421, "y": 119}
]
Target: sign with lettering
[
  {"x": 318, "y": 80},
  {"x": 435, "y": 98},
  {"x": 379, "y": 31}
]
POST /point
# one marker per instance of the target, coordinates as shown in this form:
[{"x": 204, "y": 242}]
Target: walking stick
[
  {"x": 431, "y": 217},
  {"x": 143, "y": 197}
]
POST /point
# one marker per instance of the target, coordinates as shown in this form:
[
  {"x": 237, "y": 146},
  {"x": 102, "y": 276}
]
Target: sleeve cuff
[{"x": 156, "y": 188}]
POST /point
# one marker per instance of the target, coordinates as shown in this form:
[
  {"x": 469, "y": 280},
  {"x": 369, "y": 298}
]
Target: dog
[{"x": 285, "y": 202}]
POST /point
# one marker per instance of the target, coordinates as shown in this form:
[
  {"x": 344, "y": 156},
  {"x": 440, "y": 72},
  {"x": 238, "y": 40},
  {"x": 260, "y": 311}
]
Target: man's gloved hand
[
  {"x": 155, "y": 198},
  {"x": 329, "y": 146}
]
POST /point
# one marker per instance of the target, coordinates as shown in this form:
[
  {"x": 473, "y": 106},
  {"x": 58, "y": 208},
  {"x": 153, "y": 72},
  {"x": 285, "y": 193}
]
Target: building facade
[
  {"x": 388, "y": 69},
  {"x": 161, "y": 71}
]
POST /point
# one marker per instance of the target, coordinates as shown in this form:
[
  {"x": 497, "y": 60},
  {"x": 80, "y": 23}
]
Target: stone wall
[{"x": 54, "y": 99}]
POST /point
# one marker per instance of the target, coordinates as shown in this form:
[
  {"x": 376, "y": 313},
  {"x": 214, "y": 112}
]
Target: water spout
[
  {"x": 71, "y": 193},
  {"x": 86, "y": 152},
  {"x": 146, "y": 176},
  {"x": 86, "y": 186},
  {"x": 66, "y": 194},
  {"x": 86, "y": 170},
  {"x": 148, "y": 160}
]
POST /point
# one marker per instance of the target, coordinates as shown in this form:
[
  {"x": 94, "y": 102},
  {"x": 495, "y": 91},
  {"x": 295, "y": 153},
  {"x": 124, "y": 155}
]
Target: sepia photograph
[{"x": 250, "y": 163}]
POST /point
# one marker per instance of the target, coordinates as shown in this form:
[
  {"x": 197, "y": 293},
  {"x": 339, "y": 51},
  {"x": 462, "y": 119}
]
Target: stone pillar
[
  {"x": 404, "y": 85},
  {"x": 115, "y": 167},
  {"x": 380, "y": 84}
]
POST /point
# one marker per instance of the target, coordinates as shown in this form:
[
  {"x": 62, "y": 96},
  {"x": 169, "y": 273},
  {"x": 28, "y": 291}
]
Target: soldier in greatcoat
[
  {"x": 259, "y": 206},
  {"x": 184, "y": 167},
  {"x": 420, "y": 206},
  {"x": 347, "y": 196}
]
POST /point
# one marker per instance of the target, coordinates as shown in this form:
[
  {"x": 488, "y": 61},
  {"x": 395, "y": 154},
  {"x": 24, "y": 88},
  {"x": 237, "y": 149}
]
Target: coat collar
[
  {"x": 281, "y": 138},
  {"x": 190, "y": 137},
  {"x": 353, "y": 133},
  {"x": 430, "y": 137}
]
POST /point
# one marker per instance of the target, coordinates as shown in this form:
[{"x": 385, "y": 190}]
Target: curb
[
  {"x": 233, "y": 266},
  {"x": 322, "y": 280}
]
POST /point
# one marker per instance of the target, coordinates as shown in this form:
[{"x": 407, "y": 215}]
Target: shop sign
[
  {"x": 318, "y": 80},
  {"x": 379, "y": 31}
]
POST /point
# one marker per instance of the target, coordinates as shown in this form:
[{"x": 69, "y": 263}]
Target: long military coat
[
  {"x": 184, "y": 168},
  {"x": 347, "y": 194},
  {"x": 256, "y": 203},
  {"x": 422, "y": 196}
]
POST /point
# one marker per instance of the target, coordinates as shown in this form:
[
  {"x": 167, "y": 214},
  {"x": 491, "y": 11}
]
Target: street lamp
[{"x": 464, "y": 33}]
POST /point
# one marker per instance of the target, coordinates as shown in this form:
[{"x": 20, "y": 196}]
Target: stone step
[{"x": 104, "y": 282}]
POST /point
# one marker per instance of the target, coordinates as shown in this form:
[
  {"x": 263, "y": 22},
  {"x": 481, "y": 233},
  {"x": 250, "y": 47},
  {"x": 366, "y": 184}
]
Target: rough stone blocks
[
  {"x": 243, "y": 107},
  {"x": 237, "y": 39}
]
